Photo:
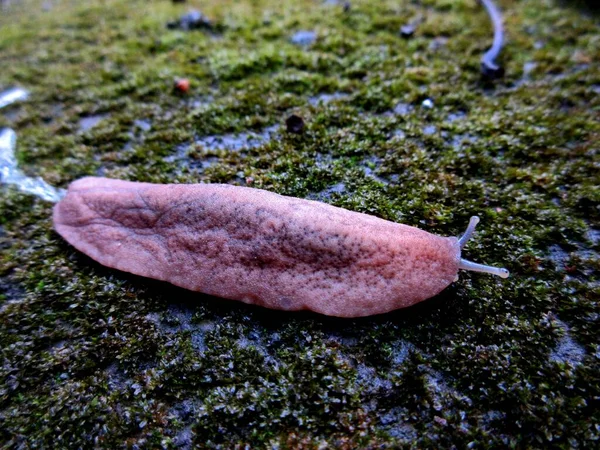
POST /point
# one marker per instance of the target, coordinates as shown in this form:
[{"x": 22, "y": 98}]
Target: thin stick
[{"x": 488, "y": 60}]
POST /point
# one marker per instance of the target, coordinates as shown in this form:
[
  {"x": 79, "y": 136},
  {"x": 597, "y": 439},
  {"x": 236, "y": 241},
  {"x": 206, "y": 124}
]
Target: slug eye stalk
[{"x": 474, "y": 267}]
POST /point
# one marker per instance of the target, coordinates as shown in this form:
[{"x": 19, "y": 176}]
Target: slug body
[{"x": 256, "y": 246}]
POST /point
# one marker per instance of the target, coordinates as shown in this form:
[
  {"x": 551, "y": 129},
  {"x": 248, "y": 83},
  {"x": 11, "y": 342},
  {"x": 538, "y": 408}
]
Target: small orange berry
[{"x": 182, "y": 85}]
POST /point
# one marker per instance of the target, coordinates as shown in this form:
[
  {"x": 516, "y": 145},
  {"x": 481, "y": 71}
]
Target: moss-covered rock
[{"x": 404, "y": 129}]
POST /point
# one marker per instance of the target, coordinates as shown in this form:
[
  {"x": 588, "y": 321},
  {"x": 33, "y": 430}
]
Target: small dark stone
[
  {"x": 407, "y": 31},
  {"x": 195, "y": 20},
  {"x": 294, "y": 124},
  {"x": 192, "y": 20},
  {"x": 491, "y": 71}
]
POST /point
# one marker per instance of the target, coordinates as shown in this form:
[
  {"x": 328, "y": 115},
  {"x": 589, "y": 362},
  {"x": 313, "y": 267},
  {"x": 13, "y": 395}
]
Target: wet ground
[{"x": 398, "y": 125}]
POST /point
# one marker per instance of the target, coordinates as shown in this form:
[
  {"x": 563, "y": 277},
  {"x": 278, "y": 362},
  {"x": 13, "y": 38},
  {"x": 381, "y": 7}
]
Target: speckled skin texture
[{"x": 255, "y": 246}]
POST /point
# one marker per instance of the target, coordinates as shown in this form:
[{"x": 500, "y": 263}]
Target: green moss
[{"x": 95, "y": 357}]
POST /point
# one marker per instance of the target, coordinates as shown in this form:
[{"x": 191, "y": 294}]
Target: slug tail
[{"x": 474, "y": 267}]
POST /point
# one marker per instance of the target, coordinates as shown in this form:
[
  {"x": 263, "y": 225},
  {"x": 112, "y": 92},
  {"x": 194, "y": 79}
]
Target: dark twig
[{"x": 489, "y": 67}]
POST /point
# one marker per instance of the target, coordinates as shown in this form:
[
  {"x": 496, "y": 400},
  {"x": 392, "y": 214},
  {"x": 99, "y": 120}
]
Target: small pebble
[
  {"x": 193, "y": 20},
  {"x": 491, "y": 71},
  {"x": 407, "y": 31},
  {"x": 427, "y": 103},
  {"x": 294, "y": 124}
]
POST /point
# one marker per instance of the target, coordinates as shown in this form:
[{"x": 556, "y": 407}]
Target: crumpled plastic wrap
[
  {"x": 11, "y": 174},
  {"x": 12, "y": 95}
]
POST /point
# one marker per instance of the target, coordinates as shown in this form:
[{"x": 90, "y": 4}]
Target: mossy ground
[{"x": 92, "y": 357}]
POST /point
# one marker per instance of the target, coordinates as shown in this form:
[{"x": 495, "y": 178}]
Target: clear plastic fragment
[
  {"x": 12, "y": 95},
  {"x": 11, "y": 174}
]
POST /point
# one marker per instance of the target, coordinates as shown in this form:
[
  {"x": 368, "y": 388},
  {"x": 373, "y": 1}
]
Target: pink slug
[{"x": 259, "y": 247}]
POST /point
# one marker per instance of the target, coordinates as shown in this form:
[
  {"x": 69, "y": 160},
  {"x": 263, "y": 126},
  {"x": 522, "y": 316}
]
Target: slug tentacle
[
  {"x": 474, "y": 267},
  {"x": 469, "y": 232}
]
